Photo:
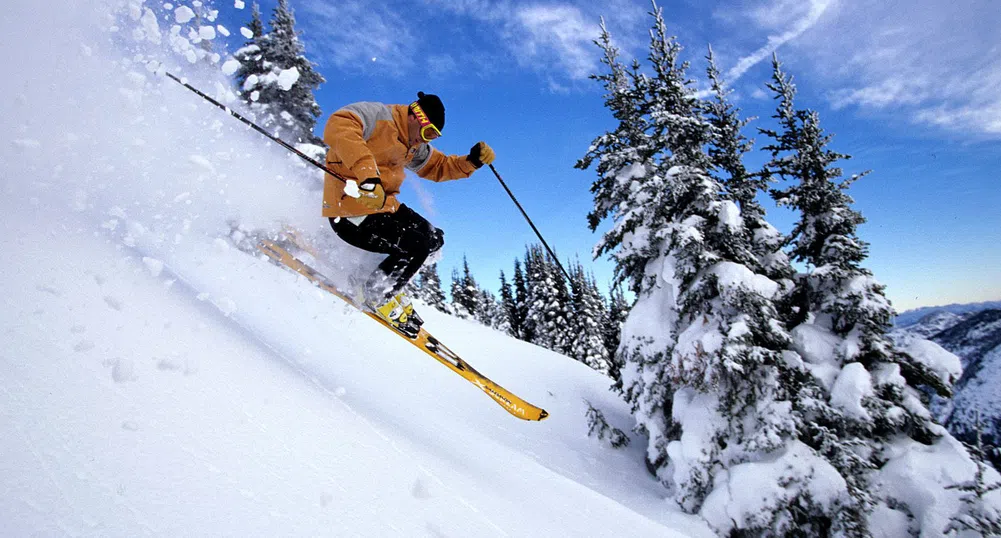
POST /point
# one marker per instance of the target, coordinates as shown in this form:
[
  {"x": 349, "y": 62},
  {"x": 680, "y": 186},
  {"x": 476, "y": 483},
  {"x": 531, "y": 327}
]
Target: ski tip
[{"x": 543, "y": 415}]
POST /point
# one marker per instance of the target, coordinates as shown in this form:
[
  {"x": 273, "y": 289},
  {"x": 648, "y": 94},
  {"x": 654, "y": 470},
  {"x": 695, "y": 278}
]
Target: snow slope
[{"x": 157, "y": 381}]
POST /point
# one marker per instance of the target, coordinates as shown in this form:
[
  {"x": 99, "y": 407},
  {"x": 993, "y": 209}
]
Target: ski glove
[
  {"x": 371, "y": 193},
  {"x": 480, "y": 154}
]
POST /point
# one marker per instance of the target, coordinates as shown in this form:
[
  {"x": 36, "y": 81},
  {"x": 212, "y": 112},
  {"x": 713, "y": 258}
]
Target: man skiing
[{"x": 370, "y": 145}]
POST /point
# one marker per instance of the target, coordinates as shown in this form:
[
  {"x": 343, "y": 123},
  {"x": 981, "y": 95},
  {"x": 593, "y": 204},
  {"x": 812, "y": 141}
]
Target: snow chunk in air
[
  {"x": 351, "y": 188},
  {"x": 207, "y": 33},
  {"x": 287, "y": 78},
  {"x": 230, "y": 66},
  {"x": 246, "y": 33},
  {"x": 183, "y": 14}
]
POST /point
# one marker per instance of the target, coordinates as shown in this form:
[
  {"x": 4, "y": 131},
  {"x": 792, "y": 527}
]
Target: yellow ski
[{"x": 423, "y": 341}]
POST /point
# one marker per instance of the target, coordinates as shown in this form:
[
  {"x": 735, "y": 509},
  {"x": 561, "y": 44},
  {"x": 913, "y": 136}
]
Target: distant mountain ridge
[
  {"x": 972, "y": 338},
  {"x": 975, "y": 337},
  {"x": 936, "y": 322},
  {"x": 910, "y": 317}
]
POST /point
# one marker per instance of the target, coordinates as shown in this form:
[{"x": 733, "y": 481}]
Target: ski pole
[
  {"x": 530, "y": 223},
  {"x": 319, "y": 165},
  {"x": 256, "y": 127}
]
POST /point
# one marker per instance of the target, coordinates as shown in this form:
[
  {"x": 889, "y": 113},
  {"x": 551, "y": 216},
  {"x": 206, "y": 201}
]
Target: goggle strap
[{"x": 422, "y": 117}]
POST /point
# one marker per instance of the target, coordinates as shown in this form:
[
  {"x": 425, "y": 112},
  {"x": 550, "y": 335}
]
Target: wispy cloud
[
  {"x": 357, "y": 35},
  {"x": 775, "y": 16},
  {"x": 552, "y": 39},
  {"x": 556, "y": 35},
  {"x": 935, "y": 63}
]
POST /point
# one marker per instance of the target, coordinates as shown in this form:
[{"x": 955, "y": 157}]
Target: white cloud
[
  {"x": 349, "y": 34},
  {"x": 551, "y": 39},
  {"x": 556, "y": 36},
  {"x": 554, "y": 39},
  {"x": 775, "y": 16},
  {"x": 937, "y": 63}
]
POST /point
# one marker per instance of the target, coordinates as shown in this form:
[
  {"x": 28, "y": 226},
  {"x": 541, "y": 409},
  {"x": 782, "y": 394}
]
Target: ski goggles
[{"x": 428, "y": 130}]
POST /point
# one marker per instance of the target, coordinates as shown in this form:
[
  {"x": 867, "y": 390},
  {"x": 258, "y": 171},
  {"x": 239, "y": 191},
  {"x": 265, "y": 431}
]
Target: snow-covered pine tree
[
  {"x": 465, "y": 292},
  {"x": 977, "y": 515},
  {"x": 427, "y": 288},
  {"x": 726, "y": 150},
  {"x": 509, "y": 309},
  {"x": 587, "y": 344},
  {"x": 284, "y": 90},
  {"x": 548, "y": 302},
  {"x": 841, "y": 320},
  {"x": 533, "y": 322},
  {"x": 597, "y": 426},
  {"x": 706, "y": 360},
  {"x": 837, "y": 293},
  {"x": 251, "y": 59},
  {"x": 519, "y": 318},
  {"x": 611, "y": 331},
  {"x": 624, "y": 162},
  {"x": 488, "y": 310}
]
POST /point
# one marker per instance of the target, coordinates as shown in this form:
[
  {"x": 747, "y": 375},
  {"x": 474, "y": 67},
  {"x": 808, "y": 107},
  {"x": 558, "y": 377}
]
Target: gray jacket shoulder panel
[{"x": 369, "y": 113}]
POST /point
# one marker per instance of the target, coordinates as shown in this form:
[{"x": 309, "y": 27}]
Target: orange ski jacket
[{"x": 369, "y": 140}]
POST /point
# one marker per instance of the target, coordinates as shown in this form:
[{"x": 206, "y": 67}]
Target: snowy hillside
[
  {"x": 934, "y": 323},
  {"x": 975, "y": 338},
  {"x": 977, "y": 342},
  {"x": 157, "y": 381}
]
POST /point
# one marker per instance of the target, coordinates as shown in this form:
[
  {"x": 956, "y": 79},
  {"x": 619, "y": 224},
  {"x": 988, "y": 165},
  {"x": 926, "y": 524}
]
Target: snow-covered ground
[{"x": 156, "y": 381}]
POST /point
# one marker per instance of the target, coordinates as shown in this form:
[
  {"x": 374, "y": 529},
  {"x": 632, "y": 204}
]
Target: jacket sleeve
[
  {"x": 344, "y": 133},
  {"x": 432, "y": 164}
]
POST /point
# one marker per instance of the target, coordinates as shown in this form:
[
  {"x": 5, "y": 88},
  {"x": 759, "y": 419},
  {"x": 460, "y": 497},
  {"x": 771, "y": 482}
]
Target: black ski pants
[{"x": 407, "y": 239}]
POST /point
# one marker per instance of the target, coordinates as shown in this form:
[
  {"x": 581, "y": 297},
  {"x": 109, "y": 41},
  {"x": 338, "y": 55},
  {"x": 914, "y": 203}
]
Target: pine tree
[
  {"x": 509, "y": 308},
  {"x": 427, "y": 287},
  {"x": 624, "y": 160},
  {"x": 488, "y": 311},
  {"x": 839, "y": 298},
  {"x": 290, "y": 110},
  {"x": 587, "y": 344},
  {"x": 727, "y": 149},
  {"x": 837, "y": 292},
  {"x": 615, "y": 317},
  {"x": 597, "y": 426},
  {"x": 519, "y": 318},
  {"x": 704, "y": 355},
  {"x": 465, "y": 293},
  {"x": 548, "y": 316},
  {"x": 977, "y": 514},
  {"x": 251, "y": 59}
]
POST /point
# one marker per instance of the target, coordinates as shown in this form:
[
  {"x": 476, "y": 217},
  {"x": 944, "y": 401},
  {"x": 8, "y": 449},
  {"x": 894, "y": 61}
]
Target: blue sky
[{"x": 907, "y": 88}]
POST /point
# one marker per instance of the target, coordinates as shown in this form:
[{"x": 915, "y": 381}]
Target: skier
[{"x": 370, "y": 144}]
